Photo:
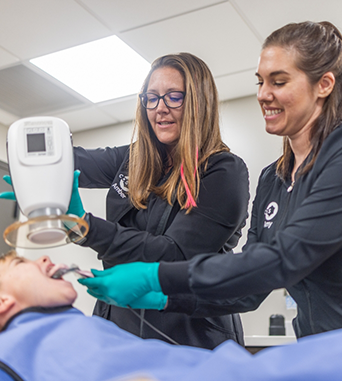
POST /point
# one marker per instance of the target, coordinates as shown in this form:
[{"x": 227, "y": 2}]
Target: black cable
[
  {"x": 142, "y": 315},
  {"x": 154, "y": 328}
]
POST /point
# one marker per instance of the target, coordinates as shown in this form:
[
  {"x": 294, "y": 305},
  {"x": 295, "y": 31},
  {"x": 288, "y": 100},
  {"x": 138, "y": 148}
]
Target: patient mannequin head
[{"x": 25, "y": 283}]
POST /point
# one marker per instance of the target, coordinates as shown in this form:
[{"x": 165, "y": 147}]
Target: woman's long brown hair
[{"x": 200, "y": 134}]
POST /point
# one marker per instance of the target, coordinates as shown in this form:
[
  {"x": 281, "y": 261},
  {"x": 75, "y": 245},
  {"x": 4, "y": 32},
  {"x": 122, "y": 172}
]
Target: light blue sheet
[{"x": 70, "y": 346}]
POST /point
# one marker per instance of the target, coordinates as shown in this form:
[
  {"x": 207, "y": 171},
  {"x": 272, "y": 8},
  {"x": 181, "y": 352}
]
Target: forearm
[
  {"x": 116, "y": 244},
  {"x": 260, "y": 269},
  {"x": 174, "y": 281},
  {"x": 199, "y": 308}
]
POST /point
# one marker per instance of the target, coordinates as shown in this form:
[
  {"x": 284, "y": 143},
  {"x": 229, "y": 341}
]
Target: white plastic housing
[{"x": 41, "y": 163}]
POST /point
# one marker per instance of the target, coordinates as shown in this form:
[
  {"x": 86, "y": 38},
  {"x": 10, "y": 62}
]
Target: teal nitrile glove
[
  {"x": 121, "y": 285},
  {"x": 151, "y": 301},
  {"x": 76, "y": 206},
  {"x": 8, "y": 195}
]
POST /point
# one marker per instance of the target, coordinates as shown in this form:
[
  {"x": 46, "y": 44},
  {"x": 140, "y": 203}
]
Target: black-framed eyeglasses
[{"x": 173, "y": 99}]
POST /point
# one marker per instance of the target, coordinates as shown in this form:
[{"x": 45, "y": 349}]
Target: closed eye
[
  {"x": 19, "y": 260},
  {"x": 152, "y": 98},
  {"x": 175, "y": 98}
]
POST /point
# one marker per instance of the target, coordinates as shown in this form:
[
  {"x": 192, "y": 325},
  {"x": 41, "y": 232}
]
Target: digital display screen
[{"x": 36, "y": 142}]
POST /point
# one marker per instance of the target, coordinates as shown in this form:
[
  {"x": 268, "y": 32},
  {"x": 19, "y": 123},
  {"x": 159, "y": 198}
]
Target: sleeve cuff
[
  {"x": 173, "y": 278},
  {"x": 181, "y": 303},
  {"x": 84, "y": 239}
]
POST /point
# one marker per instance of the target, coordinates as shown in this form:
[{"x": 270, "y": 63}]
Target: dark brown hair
[
  {"x": 318, "y": 50},
  {"x": 199, "y": 131}
]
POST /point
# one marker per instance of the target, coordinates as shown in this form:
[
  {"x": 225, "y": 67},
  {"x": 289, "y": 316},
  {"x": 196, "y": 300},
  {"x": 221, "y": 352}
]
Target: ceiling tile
[
  {"x": 122, "y": 15},
  {"x": 122, "y": 109},
  {"x": 227, "y": 45},
  {"x": 33, "y": 28},
  {"x": 268, "y": 15},
  {"x": 23, "y": 92},
  {"x": 84, "y": 119},
  {"x": 7, "y": 58}
]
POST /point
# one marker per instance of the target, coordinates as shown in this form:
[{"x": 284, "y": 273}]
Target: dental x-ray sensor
[{"x": 41, "y": 166}]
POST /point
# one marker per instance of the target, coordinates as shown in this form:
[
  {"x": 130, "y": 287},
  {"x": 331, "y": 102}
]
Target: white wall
[
  {"x": 242, "y": 129},
  {"x": 3, "y": 133}
]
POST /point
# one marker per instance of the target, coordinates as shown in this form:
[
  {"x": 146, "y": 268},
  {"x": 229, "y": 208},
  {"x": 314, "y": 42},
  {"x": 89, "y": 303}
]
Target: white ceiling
[{"x": 227, "y": 35}]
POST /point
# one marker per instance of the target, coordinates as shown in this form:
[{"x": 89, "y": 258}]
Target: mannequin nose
[{"x": 44, "y": 259}]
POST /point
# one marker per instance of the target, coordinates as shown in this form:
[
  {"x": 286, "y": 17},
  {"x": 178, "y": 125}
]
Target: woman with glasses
[{"x": 175, "y": 192}]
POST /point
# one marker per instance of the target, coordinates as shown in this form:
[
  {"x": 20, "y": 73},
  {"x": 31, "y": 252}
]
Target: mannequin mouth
[
  {"x": 53, "y": 270},
  {"x": 60, "y": 270}
]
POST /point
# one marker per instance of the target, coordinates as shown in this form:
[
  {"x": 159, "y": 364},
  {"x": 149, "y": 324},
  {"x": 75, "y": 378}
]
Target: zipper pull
[{"x": 289, "y": 189}]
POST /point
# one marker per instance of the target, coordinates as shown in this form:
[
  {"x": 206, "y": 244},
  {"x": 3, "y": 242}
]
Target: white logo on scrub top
[
  {"x": 123, "y": 186},
  {"x": 123, "y": 182},
  {"x": 270, "y": 212}
]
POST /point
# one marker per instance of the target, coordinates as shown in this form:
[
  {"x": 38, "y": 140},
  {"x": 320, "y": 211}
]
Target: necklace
[{"x": 289, "y": 189}]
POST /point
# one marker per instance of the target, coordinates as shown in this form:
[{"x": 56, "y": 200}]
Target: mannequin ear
[
  {"x": 326, "y": 84},
  {"x": 6, "y": 303}
]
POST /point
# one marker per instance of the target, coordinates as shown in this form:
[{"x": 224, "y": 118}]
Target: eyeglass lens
[{"x": 173, "y": 99}]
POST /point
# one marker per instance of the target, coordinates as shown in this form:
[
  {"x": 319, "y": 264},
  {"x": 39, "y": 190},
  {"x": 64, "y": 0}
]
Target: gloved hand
[
  {"x": 76, "y": 206},
  {"x": 122, "y": 285},
  {"x": 151, "y": 301},
  {"x": 8, "y": 195}
]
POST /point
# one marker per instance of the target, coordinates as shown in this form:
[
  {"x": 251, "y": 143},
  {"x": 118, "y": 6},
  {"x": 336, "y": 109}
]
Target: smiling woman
[
  {"x": 164, "y": 202},
  {"x": 311, "y": 64},
  {"x": 290, "y": 102}
]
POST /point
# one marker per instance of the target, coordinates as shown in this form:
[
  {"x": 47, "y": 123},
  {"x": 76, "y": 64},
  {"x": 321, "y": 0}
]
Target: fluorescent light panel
[{"x": 100, "y": 70}]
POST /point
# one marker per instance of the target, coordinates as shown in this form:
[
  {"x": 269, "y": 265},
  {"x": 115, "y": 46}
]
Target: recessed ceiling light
[{"x": 100, "y": 70}]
